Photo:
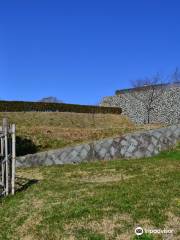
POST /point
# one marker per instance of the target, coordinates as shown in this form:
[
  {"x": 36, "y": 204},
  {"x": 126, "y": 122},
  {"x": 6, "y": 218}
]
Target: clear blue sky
[{"x": 80, "y": 51}]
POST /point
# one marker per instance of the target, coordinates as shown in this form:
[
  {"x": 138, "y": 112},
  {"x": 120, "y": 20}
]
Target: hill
[
  {"x": 50, "y": 100},
  {"x": 38, "y": 131}
]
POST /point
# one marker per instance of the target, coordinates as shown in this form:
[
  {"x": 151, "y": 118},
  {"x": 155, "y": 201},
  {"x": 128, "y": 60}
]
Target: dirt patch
[
  {"x": 77, "y": 174},
  {"x": 34, "y": 173},
  {"x": 29, "y": 237},
  {"x": 107, "y": 226},
  {"x": 26, "y": 230},
  {"x": 124, "y": 236},
  {"x": 106, "y": 178},
  {"x": 174, "y": 224}
]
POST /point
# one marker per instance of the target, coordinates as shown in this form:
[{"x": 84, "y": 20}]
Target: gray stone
[
  {"x": 131, "y": 148},
  {"x": 112, "y": 151},
  {"x": 123, "y": 142},
  {"x": 151, "y": 148},
  {"x": 154, "y": 140},
  {"x": 123, "y": 151},
  {"x": 83, "y": 153},
  {"x": 73, "y": 154},
  {"x": 102, "y": 152},
  {"x": 138, "y": 154}
]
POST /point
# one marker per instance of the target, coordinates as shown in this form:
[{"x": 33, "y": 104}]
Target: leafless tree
[
  {"x": 147, "y": 91},
  {"x": 175, "y": 77}
]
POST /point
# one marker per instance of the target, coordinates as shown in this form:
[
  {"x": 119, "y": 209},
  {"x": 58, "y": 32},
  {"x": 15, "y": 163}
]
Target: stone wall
[
  {"x": 134, "y": 145},
  {"x": 165, "y": 109}
]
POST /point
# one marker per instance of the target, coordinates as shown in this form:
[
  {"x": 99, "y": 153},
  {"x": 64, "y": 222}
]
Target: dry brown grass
[
  {"x": 25, "y": 231},
  {"x": 30, "y": 174},
  {"x": 50, "y": 130},
  {"x": 106, "y": 226}
]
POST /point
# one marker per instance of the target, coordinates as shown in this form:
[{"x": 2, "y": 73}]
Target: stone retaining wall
[
  {"x": 165, "y": 108},
  {"x": 134, "y": 145}
]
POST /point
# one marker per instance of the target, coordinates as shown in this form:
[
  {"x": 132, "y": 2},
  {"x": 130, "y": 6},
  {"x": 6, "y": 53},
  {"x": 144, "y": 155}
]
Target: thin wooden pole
[
  {"x": 5, "y": 127},
  {"x": 2, "y": 163},
  {"x": 13, "y": 158}
]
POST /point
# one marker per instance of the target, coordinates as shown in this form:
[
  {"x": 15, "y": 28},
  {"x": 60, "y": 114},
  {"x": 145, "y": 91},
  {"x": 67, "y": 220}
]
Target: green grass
[{"x": 102, "y": 200}]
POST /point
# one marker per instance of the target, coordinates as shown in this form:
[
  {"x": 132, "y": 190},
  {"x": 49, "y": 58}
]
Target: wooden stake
[
  {"x": 2, "y": 163},
  {"x": 13, "y": 158},
  {"x": 5, "y": 128}
]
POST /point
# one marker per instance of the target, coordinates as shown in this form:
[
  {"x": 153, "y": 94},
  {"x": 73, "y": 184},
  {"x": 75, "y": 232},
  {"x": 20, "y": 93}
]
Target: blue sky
[{"x": 80, "y": 51}]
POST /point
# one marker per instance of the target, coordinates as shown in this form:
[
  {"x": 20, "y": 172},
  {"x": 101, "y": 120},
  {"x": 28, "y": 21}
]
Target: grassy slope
[
  {"x": 55, "y": 130},
  {"x": 94, "y": 201}
]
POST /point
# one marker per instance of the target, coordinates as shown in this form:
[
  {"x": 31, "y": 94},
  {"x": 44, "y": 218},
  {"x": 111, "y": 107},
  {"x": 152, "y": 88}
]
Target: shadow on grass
[
  {"x": 22, "y": 184},
  {"x": 25, "y": 146}
]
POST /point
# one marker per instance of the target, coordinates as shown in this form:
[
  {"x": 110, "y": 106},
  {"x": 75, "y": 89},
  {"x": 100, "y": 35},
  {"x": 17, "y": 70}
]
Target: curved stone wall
[{"x": 134, "y": 145}]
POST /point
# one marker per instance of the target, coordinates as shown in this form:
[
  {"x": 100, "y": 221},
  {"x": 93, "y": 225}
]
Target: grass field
[
  {"x": 103, "y": 200},
  {"x": 39, "y": 131}
]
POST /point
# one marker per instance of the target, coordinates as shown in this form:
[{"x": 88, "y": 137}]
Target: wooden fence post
[
  {"x": 2, "y": 163},
  {"x": 13, "y": 158},
  {"x": 5, "y": 128}
]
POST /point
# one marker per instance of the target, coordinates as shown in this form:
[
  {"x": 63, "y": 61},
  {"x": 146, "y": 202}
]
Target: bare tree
[
  {"x": 147, "y": 91},
  {"x": 175, "y": 77}
]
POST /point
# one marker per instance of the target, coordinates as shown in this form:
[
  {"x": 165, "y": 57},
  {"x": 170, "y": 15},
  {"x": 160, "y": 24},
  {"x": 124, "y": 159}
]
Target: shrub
[{"x": 19, "y": 106}]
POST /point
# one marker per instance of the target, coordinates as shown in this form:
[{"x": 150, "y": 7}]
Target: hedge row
[{"x": 19, "y": 106}]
